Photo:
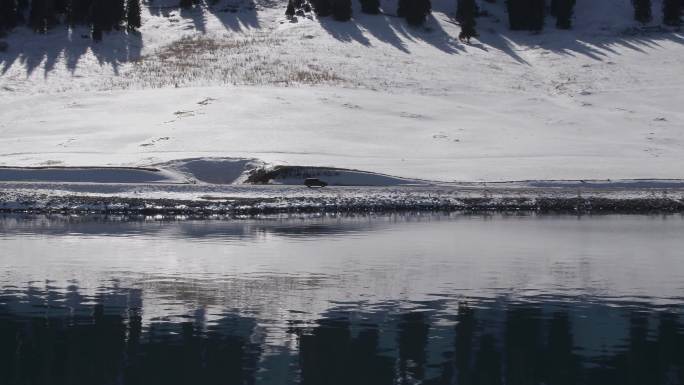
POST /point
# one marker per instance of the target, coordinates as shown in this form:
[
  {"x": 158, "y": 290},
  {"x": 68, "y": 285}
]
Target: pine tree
[
  {"x": 72, "y": 12},
  {"x": 8, "y": 14},
  {"x": 402, "y": 8},
  {"x": 118, "y": 13},
  {"x": 133, "y": 14},
  {"x": 465, "y": 14},
  {"x": 371, "y": 7},
  {"x": 563, "y": 10},
  {"x": 642, "y": 11},
  {"x": 516, "y": 19},
  {"x": 414, "y": 11},
  {"x": 537, "y": 11},
  {"x": 423, "y": 8},
  {"x": 97, "y": 33},
  {"x": 526, "y": 14},
  {"x": 322, "y": 8},
  {"x": 37, "y": 15},
  {"x": 466, "y": 7},
  {"x": 672, "y": 12},
  {"x": 50, "y": 14},
  {"x": 553, "y": 9},
  {"x": 290, "y": 10},
  {"x": 341, "y": 10},
  {"x": 80, "y": 12},
  {"x": 61, "y": 6},
  {"x": 22, "y": 6},
  {"x": 98, "y": 18},
  {"x": 106, "y": 10}
]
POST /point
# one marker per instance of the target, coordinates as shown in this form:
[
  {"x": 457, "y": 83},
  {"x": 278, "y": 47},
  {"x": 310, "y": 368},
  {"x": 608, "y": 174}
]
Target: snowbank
[
  {"x": 295, "y": 175},
  {"x": 211, "y": 171}
]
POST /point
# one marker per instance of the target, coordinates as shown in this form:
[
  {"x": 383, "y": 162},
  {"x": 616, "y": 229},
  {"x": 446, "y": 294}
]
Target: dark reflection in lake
[{"x": 387, "y": 300}]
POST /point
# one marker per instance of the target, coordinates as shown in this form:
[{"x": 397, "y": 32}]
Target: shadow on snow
[{"x": 34, "y": 50}]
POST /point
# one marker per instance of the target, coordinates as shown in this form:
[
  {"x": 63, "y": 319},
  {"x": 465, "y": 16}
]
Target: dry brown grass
[{"x": 259, "y": 58}]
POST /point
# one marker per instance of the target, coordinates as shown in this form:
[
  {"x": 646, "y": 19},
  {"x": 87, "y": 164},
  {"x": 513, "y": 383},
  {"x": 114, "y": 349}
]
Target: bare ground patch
[{"x": 248, "y": 60}]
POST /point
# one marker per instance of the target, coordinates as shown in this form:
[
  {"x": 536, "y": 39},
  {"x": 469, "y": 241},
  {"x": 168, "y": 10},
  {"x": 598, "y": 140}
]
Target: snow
[{"x": 208, "y": 95}]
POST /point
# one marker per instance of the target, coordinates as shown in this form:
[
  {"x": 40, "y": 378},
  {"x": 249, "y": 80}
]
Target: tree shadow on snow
[
  {"x": 35, "y": 50},
  {"x": 235, "y": 15},
  {"x": 199, "y": 21},
  {"x": 430, "y": 33},
  {"x": 344, "y": 31},
  {"x": 494, "y": 34},
  {"x": 380, "y": 27},
  {"x": 592, "y": 43},
  {"x": 391, "y": 30},
  {"x": 570, "y": 43}
]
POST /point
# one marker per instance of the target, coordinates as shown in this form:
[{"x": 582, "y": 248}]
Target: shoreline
[{"x": 241, "y": 200}]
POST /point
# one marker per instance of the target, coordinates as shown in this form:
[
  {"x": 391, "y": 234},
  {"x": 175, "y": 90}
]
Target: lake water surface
[{"x": 396, "y": 299}]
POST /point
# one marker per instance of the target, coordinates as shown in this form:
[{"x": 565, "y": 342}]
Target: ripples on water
[{"x": 412, "y": 299}]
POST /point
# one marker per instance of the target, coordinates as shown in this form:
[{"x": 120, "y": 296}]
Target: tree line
[
  {"x": 672, "y": 11},
  {"x": 105, "y": 15},
  {"x": 528, "y": 15},
  {"x": 99, "y": 15}
]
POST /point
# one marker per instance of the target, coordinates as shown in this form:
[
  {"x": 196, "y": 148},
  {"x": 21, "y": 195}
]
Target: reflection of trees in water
[
  {"x": 413, "y": 340},
  {"x": 48, "y": 337},
  {"x": 561, "y": 364},
  {"x": 523, "y": 347},
  {"x": 476, "y": 361},
  {"x": 329, "y": 354},
  {"x": 105, "y": 344},
  {"x": 645, "y": 359}
]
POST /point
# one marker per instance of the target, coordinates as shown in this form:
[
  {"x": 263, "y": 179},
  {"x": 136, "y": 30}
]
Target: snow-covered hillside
[{"x": 600, "y": 101}]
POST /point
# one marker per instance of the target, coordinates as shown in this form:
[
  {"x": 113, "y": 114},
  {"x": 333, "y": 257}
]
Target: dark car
[{"x": 314, "y": 182}]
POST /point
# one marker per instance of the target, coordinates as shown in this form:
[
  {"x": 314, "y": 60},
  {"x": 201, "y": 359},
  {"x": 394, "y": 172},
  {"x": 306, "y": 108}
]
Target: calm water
[{"x": 410, "y": 299}]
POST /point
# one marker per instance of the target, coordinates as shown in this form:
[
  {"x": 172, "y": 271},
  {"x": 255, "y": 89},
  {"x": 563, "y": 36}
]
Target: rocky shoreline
[{"x": 561, "y": 201}]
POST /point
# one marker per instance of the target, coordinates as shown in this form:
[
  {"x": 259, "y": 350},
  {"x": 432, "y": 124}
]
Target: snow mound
[
  {"x": 212, "y": 170},
  {"x": 295, "y": 175}
]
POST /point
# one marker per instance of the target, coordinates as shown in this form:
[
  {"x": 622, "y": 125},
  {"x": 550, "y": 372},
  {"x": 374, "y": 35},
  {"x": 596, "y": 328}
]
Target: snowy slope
[{"x": 601, "y": 101}]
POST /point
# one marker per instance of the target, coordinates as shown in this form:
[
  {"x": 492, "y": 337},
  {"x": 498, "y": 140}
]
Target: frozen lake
[{"x": 395, "y": 299}]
